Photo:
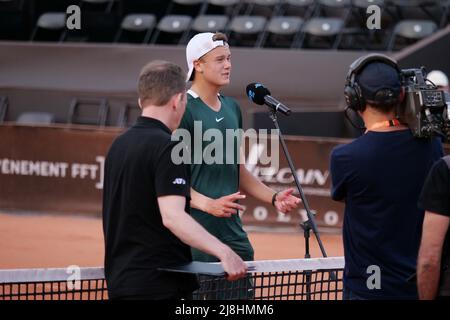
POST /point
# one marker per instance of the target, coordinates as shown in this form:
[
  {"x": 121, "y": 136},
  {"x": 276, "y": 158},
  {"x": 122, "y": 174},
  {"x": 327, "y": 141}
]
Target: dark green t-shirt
[{"x": 214, "y": 146}]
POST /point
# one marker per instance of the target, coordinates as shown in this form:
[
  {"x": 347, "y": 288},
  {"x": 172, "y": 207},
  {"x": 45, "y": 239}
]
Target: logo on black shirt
[{"x": 179, "y": 181}]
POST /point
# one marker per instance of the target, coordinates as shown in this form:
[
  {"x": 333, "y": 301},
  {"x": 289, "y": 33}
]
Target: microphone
[{"x": 259, "y": 94}]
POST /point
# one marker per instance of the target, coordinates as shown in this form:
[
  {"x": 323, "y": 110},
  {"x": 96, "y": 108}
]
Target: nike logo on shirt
[{"x": 220, "y": 119}]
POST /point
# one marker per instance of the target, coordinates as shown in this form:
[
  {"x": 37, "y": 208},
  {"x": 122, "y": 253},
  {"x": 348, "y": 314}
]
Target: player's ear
[
  {"x": 139, "y": 103},
  {"x": 198, "y": 66}
]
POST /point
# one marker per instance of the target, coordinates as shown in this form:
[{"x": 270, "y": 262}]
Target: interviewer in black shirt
[{"x": 146, "y": 223}]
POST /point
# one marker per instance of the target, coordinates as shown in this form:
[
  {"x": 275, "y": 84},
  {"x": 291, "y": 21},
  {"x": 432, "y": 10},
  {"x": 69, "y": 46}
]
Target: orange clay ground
[{"x": 40, "y": 241}]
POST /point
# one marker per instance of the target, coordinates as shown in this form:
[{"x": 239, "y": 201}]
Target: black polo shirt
[
  {"x": 435, "y": 197},
  {"x": 138, "y": 169}
]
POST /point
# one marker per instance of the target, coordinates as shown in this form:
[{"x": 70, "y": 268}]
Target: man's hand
[
  {"x": 233, "y": 265},
  {"x": 193, "y": 234},
  {"x": 285, "y": 201},
  {"x": 225, "y": 206}
]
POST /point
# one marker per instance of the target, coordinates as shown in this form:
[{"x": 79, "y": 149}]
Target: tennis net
[{"x": 293, "y": 279}]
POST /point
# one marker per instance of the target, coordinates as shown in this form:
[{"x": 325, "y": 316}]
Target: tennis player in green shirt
[{"x": 216, "y": 187}]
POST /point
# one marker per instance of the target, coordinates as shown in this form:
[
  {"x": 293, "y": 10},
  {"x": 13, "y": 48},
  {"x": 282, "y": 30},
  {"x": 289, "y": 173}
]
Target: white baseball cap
[
  {"x": 438, "y": 78},
  {"x": 198, "y": 46}
]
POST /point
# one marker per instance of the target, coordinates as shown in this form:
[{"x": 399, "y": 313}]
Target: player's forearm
[
  {"x": 193, "y": 234},
  {"x": 249, "y": 184},
  {"x": 427, "y": 278},
  {"x": 199, "y": 201}
]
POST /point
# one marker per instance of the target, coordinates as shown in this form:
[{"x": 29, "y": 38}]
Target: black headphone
[{"x": 352, "y": 91}]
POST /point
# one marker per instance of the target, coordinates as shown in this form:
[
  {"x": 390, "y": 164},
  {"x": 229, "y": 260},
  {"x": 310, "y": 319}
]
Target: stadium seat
[
  {"x": 97, "y": 5},
  {"x": 128, "y": 115},
  {"x": 96, "y": 27},
  {"x": 415, "y": 29},
  {"x": 246, "y": 30},
  {"x": 445, "y": 19},
  {"x": 359, "y": 12},
  {"x": 173, "y": 28},
  {"x": 364, "y": 4},
  {"x": 411, "y": 3},
  {"x": 210, "y": 23},
  {"x": 50, "y": 27},
  {"x": 333, "y": 8},
  {"x": 282, "y": 31},
  {"x": 265, "y": 8},
  {"x": 335, "y": 3},
  {"x": 100, "y": 20},
  {"x": 369, "y": 39},
  {"x": 11, "y": 5},
  {"x": 14, "y": 22},
  {"x": 103, "y": 20},
  {"x": 88, "y": 111},
  {"x": 223, "y": 3},
  {"x": 323, "y": 27},
  {"x": 188, "y": 2},
  {"x": 229, "y": 8},
  {"x": 411, "y": 31},
  {"x": 155, "y": 7},
  {"x": 298, "y": 8},
  {"x": 321, "y": 33},
  {"x": 266, "y": 3},
  {"x": 360, "y": 8},
  {"x": 136, "y": 28},
  {"x": 4, "y": 104},
  {"x": 191, "y": 8},
  {"x": 36, "y": 118},
  {"x": 42, "y": 6},
  {"x": 415, "y": 10}
]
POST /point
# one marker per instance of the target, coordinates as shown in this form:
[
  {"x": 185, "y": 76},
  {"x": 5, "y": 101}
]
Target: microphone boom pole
[
  {"x": 259, "y": 94},
  {"x": 311, "y": 222}
]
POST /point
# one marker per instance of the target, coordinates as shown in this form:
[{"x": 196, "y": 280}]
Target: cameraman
[{"x": 379, "y": 177}]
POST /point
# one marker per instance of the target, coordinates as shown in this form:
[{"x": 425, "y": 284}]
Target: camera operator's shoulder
[
  {"x": 340, "y": 151},
  {"x": 349, "y": 152},
  {"x": 346, "y": 148}
]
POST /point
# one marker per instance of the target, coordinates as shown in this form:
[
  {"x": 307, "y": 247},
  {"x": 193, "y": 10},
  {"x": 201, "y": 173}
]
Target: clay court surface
[{"x": 40, "y": 241}]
